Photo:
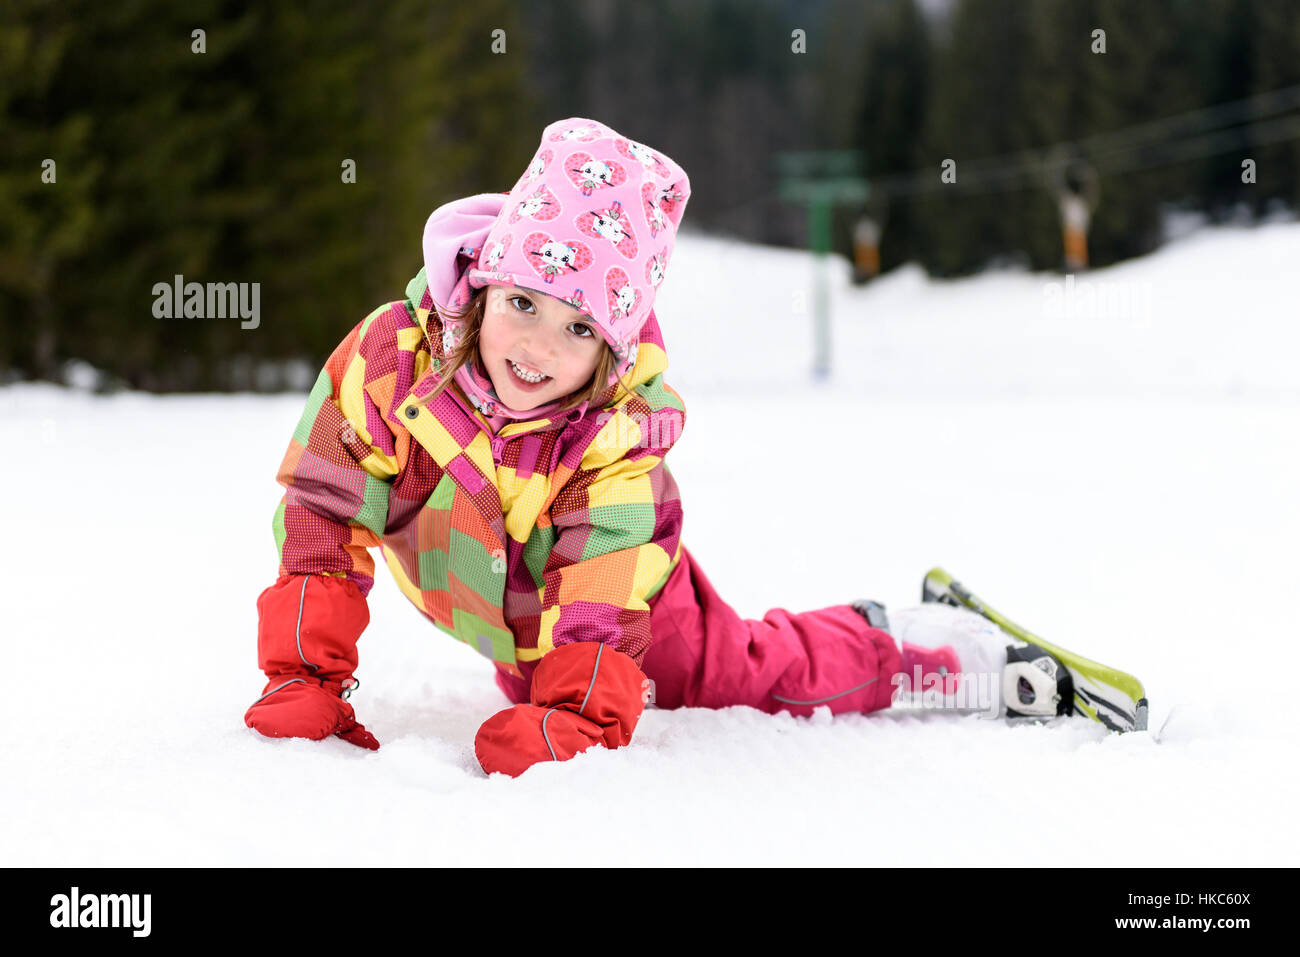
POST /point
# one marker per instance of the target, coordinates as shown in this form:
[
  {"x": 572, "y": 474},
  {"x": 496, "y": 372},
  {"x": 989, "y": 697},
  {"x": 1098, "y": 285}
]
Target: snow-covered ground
[{"x": 1116, "y": 468}]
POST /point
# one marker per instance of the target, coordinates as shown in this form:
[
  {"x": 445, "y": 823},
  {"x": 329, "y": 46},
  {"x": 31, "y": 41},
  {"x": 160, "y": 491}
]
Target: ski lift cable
[
  {"x": 1142, "y": 157},
  {"x": 1058, "y": 154},
  {"x": 1100, "y": 148}
]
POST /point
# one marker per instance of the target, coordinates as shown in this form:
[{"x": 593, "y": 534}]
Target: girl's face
[{"x": 530, "y": 332}]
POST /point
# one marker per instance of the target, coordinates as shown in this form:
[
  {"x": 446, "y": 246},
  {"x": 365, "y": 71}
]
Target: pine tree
[
  {"x": 225, "y": 164},
  {"x": 46, "y": 211}
]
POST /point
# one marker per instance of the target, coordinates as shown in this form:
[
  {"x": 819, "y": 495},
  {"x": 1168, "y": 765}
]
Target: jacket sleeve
[
  {"x": 342, "y": 459},
  {"x": 618, "y": 524}
]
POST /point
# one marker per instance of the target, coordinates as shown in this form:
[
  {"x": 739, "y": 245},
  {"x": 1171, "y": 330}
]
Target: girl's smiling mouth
[{"x": 524, "y": 375}]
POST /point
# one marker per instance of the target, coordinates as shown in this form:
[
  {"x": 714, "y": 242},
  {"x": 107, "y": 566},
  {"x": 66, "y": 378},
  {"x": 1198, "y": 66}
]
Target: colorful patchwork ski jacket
[{"x": 550, "y": 531}]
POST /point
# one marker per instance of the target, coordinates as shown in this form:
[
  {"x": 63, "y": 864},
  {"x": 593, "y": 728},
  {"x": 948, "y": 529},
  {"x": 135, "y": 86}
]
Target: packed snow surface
[{"x": 1112, "y": 460}]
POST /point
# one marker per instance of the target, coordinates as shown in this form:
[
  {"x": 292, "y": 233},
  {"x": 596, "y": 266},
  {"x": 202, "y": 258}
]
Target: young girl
[{"x": 500, "y": 436}]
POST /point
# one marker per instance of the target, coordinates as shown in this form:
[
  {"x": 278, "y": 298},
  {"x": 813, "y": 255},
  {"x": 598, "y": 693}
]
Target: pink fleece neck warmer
[{"x": 592, "y": 221}]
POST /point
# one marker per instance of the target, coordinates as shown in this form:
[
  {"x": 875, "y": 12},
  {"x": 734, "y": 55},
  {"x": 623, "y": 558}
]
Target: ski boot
[
  {"x": 995, "y": 673},
  {"x": 954, "y": 659},
  {"x": 1041, "y": 679}
]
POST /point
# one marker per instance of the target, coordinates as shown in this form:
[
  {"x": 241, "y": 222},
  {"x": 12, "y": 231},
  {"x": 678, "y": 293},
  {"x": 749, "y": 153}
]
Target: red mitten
[
  {"x": 300, "y": 707},
  {"x": 308, "y": 626},
  {"x": 583, "y": 694}
]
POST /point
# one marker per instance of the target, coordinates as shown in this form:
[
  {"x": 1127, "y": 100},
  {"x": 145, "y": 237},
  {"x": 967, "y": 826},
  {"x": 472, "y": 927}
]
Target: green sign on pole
[{"x": 820, "y": 179}]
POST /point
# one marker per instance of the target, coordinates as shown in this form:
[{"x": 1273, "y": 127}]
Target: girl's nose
[
  {"x": 544, "y": 345},
  {"x": 536, "y": 350}
]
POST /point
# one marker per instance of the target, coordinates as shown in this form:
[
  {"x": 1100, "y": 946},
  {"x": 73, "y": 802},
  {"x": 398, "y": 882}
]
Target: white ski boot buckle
[{"x": 1035, "y": 684}]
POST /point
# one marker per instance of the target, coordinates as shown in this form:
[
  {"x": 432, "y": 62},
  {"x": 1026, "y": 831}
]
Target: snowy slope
[{"x": 1117, "y": 473}]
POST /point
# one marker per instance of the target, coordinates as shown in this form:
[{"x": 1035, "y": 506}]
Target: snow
[{"x": 1116, "y": 470}]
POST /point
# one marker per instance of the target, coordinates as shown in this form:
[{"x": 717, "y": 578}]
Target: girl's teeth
[{"x": 525, "y": 375}]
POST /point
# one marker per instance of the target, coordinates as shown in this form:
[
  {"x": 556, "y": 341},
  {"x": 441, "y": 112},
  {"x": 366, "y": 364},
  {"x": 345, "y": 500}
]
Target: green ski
[{"x": 1104, "y": 694}]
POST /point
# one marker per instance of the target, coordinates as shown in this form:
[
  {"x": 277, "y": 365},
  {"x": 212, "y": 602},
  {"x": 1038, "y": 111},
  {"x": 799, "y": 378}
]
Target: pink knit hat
[{"x": 592, "y": 222}]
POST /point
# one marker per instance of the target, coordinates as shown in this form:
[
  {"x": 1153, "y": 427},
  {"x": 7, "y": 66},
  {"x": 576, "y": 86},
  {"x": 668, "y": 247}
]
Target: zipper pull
[{"x": 498, "y": 446}]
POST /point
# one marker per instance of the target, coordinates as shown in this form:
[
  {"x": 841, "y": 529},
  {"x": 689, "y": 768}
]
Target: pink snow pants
[{"x": 704, "y": 655}]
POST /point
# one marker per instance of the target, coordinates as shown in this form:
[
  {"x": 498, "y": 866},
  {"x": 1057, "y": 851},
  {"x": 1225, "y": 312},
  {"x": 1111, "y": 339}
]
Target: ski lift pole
[
  {"x": 820, "y": 179},
  {"x": 819, "y": 234}
]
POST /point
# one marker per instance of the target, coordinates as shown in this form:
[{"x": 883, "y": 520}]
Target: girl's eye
[{"x": 582, "y": 330}]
